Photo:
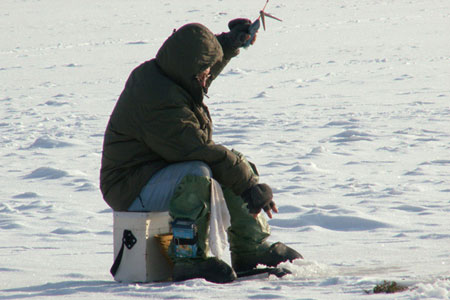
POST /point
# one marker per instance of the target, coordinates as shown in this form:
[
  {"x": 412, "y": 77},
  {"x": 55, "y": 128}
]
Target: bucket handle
[{"x": 128, "y": 240}]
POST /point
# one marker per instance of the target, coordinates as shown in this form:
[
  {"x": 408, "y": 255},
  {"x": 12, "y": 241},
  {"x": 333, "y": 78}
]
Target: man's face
[{"x": 203, "y": 77}]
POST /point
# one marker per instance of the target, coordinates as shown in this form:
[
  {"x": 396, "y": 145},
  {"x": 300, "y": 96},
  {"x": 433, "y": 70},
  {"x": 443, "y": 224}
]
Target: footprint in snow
[
  {"x": 261, "y": 95},
  {"x": 287, "y": 209},
  {"x": 46, "y": 173},
  {"x": 26, "y": 195},
  {"x": 440, "y": 162},
  {"x": 340, "y": 124},
  {"x": 86, "y": 187},
  {"x": 350, "y": 136},
  {"x": 55, "y": 103},
  {"x": 415, "y": 172},
  {"x": 48, "y": 143},
  {"x": 410, "y": 208},
  {"x": 336, "y": 223},
  {"x": 72, "y": 65},
  {"x": 235, "y": 71},
  {"x": 137, "y": 43},
  {"x": 64, "y": 231}
]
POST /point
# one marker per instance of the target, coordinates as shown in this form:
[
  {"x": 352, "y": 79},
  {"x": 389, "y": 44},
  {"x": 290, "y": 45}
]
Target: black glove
[
  {"x": 258, "y": 197},
  {"x": 239, "y": 33},
  {"x": 236, "y": 38}
]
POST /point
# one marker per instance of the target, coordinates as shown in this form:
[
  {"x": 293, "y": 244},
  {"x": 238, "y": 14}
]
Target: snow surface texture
[{"x": 344, "y": 107}]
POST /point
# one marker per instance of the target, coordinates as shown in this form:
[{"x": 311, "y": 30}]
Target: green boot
[
  {"x": 271, "y": 256},
  {"x": 211, "y": 269},
  {"x": 191, "y": 203},
  {"x": 246, "y": 234},
  {"x": 247, "y": 237}
]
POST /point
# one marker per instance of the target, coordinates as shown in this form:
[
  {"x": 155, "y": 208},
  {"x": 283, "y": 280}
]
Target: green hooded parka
[{"x": 160, "y": 118}]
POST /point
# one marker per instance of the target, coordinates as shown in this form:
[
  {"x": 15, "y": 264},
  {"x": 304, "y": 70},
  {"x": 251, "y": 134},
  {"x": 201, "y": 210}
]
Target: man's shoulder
[
  {"x": 147, "y": 68},
  {"x": 153, "y": 88}
]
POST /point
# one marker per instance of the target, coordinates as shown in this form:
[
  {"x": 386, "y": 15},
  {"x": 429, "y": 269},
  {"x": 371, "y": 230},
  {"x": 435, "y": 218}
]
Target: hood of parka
[{"x": 186, "y": 53}]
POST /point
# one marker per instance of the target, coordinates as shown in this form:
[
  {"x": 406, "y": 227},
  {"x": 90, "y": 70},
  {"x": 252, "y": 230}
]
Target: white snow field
[{"x": 344, "y": 107}]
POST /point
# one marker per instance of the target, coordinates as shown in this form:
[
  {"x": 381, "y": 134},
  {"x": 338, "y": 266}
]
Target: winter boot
[
  {"x": 270, "y": 256},
  {"x": 189, "y": 209},
  {"x": 247, "y": 236},
  {"x": 211, "y": 269}
]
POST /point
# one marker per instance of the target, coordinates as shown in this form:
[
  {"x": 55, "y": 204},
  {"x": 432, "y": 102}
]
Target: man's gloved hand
[
  {"x": 239, "y": 32},
  {"x": 236, "y": 38},
  {"x": 259, "y": 197}
]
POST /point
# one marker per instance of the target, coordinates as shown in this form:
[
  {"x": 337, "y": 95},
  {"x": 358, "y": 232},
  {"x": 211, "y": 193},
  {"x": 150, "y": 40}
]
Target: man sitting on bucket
[{"x": 158, "y": 155}]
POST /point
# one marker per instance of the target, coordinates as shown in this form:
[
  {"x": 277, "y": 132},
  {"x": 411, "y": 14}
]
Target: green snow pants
[{"x": 191, "y": 200}]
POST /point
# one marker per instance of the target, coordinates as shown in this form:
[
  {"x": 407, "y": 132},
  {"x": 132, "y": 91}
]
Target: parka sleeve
[
  {"x": 175, "y": 134},
  {"x": 228, "y": 53}
]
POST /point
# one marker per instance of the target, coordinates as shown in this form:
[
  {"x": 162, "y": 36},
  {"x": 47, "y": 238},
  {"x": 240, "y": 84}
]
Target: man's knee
[
  {"x": 191, "y": 197},
  {"x": 200, "y": 168}
]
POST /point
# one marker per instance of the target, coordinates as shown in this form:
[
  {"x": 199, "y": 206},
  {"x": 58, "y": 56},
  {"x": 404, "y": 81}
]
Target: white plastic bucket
[{"x": 143, "y": 262}]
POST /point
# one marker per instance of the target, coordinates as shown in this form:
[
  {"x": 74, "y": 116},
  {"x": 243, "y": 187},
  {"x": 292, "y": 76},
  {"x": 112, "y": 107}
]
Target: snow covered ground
[{"x": 344, "y": 107}]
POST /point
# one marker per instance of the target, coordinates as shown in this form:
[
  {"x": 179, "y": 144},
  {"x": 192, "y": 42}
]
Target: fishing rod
[{"x": 254, "y": 27}]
